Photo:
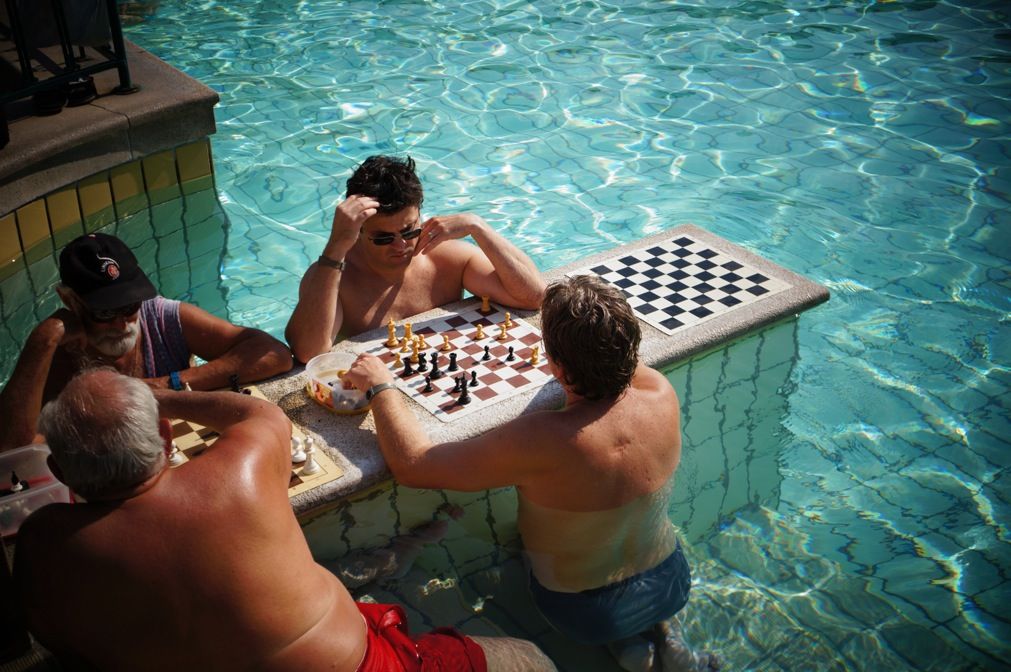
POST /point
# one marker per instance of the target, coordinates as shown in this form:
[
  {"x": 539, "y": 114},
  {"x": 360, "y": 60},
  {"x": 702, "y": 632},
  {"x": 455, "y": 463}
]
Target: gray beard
[{"x": 116, "y": 347}]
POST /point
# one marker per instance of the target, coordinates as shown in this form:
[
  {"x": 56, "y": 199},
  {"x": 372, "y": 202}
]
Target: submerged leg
[
  {"x": 675, "y": 654},
  {"x": 634, "y": 654},
  {"x": 508, "y": 654},
  {"x": 389, "y": 562}
]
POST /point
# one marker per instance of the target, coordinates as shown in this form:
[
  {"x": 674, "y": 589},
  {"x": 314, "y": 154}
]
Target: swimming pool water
[{"x": 863, "y": 144}]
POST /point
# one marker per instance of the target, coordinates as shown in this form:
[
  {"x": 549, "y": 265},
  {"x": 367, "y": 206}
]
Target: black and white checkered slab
[{"x": 683, "y": 282}]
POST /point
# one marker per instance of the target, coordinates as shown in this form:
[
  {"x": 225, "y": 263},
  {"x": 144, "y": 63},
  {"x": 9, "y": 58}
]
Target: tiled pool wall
[
  {"x": 163, "y": 206},
  {"x": 733, "y": 402}
]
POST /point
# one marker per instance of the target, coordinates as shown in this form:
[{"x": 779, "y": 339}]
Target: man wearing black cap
[{"x": 113, "y": 316}]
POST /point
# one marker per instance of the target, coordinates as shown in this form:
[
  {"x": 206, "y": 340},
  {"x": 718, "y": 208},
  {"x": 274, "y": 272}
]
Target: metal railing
[{"x": 35, "y": 24}]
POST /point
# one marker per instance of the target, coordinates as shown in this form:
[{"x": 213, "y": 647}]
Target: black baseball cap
[{"x": 103, "y": 272}]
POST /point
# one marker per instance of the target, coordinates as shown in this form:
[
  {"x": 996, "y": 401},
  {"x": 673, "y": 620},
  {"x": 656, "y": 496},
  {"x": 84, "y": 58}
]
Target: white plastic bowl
[{"x": 326, "y": 388}]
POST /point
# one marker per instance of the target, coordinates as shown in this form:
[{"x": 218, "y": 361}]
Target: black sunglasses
[
  {"x": 387, "y": 238},
  {"x": 114, "y": 313}
]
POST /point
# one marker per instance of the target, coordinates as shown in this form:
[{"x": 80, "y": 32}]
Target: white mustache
[{"x": 117, "y": 345}]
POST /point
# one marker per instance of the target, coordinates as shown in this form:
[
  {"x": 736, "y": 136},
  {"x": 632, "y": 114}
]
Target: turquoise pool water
[{"x": 863, "y": 144}]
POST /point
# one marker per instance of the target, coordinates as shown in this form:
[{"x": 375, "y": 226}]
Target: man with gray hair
[
  {"x": 202, "y": 566},
  {"x": 113, "y": 316}
]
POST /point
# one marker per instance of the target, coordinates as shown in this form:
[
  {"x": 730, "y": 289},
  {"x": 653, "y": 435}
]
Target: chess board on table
[
  {"x": 683, "y": 282},
  {"x": 192, "y": 439},
  {"x": 497, "y": 377}
]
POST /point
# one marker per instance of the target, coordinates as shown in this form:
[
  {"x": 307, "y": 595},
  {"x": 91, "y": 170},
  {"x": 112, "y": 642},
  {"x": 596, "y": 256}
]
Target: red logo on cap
[{"x": 110, "y": 267}]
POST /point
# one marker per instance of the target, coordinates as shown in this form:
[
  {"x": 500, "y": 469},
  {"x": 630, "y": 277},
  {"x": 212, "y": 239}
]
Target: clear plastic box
[
  {"x": 326, "y": 388},
  {"x": 38, "y": 486}
]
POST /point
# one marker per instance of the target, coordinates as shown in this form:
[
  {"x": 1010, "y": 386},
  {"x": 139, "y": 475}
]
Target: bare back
[
  {"x": 206, "y": 570},
  {"x": 601, "y": 514},
  {"x": 608, "y": 454}
]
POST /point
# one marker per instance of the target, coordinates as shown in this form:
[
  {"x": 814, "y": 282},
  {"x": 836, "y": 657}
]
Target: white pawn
[
  {"x": 311, "y": 465},
  {"x": 297, "y": 450},
  {"x": 176, "y": 457}
]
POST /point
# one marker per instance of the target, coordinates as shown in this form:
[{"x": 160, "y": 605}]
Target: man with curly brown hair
[{"x": 594, "y": 478}]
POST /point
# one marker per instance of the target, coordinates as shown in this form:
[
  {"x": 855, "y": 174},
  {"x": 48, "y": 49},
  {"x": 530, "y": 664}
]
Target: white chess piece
[
  {"x": 176, "y": 457},
  {"x": 311, "y": 465},
  {"x": 297, "y": 450}
]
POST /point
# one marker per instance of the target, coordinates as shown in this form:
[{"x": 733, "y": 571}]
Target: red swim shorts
[{"x": 392, "y": 649}]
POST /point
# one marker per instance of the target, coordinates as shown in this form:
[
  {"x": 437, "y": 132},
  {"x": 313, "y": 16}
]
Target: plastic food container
[
  {"x": 35, "y": 488},
  {"x": 327, "y": 389}
]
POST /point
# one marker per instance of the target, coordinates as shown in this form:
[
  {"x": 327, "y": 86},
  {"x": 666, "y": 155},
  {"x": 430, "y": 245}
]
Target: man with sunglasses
[
  {"x": 383, "y": 262},
  {"x": 113, "y": 316}
]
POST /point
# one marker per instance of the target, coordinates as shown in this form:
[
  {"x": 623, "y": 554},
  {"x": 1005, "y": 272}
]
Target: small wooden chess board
[
  {"x": 497, "y": 378},
  {"x": 192, "y": 439}
]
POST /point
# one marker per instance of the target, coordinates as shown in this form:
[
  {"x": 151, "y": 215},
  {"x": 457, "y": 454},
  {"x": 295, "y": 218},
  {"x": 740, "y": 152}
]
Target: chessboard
[
  {"x": 484, "y": 359},
  {"x": 683, "y": 282},
  {"x": 193, "y": 439}
]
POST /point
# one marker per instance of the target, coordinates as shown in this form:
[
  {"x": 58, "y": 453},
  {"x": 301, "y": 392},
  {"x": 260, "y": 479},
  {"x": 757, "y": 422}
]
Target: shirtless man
[
  {"x": 114, "y": 317},
  {"x": 382, "y": 262},
  {"x": 201, "y": 567},
  {"x": 594, "y": 478}
]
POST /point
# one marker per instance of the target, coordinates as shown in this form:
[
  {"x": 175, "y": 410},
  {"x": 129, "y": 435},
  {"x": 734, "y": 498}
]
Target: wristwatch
[
  {"x": 332, "y": 263},
  {"x": 376, "y": 389}
]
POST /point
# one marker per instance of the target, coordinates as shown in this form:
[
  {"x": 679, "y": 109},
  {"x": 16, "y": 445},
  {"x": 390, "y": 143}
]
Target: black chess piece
[
  {"x": 452, "y": 362},
  {"x": 422, "y": 364},
  {"x": 17, "y": 484},
  {"x": 473, "y": 378},
  {"x": 510, "y": 357},
  {"x": 436, "y": 373},
  {"x": 428, "y": 383},
  {"x": 487, "y": 354},
  {"x": 233, "y": 380},
  {"x": 456, "y": 385},
  {"x": 464, "y": 392},
  {"x": 408, "y": 369}
]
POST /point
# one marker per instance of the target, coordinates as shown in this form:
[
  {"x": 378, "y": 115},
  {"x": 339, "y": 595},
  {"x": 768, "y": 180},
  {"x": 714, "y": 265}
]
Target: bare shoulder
[
  {"x": 652, "y": 399},
  {"x": 42, "y": 532},
  {"x": 454, "y": 252},
  {"x": 650, "y": 380}
]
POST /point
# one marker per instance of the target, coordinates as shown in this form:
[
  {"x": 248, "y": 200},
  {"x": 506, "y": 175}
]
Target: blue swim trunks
[{"x": 621, "y": 609}]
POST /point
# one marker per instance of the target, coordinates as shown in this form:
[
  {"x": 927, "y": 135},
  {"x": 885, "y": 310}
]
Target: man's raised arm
[
  {"x": 503, "y": 272},
  {"x": 21, "y": 399},
  {"x": 317, "y": 318},
  {"x": 241, "y": 419}
]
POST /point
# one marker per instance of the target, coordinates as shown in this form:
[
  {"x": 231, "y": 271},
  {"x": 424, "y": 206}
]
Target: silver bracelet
[{"x": 376, "y": 389}]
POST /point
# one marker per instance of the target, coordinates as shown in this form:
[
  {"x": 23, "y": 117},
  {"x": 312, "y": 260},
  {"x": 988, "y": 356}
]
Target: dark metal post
[
  {"x": 119, "y": 47},
  {"x": 27, "y": 76}
]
